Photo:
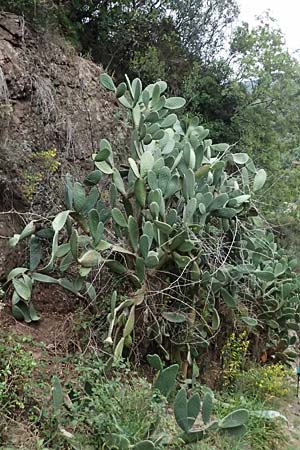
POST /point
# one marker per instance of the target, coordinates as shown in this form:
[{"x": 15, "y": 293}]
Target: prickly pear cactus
[{"x": 182, "y": 210}]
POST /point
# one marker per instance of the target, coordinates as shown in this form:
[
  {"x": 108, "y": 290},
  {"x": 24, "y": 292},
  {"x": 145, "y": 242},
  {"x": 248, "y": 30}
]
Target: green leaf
[
  {"x": 189, "y": 210},
  {"x": 117, "y": 441},
  {"x": 35, "y": 252},
  {"x": 121, "y": 89},
  {"x": 94, "y": 220},
  {"x": 239, "y": 200},
  {"x": 144, "y": 445},
  {"x": 235, "y": 432},
  {"x": 119, "y": 350},
  {"x": 133, "y": 231},
  {"x": 140, "y": 268},
  {"x": 137, "y": 89},
  {"x": 144, "y": 245},
  {"x": 21, "y": 312},
  {"x": 57, "y": 394},
  {"x": 202, "y": 171},
  {"x": 102, "y": 155},
  {"x": 162, "y": 86},
  {"x": 264, "y": 275},
  {"x": 207, "y": 407},
  {"x": 155, "y": 361},
  {"x": 134, "y": 167},
  {"x": 13, "y": 241},
  {"x": 228, "y": 298},
  {"x": 152, "y": 260},
  {"x": 68, "y": 191},
  {"x": 74, "y": 246},
  {"x": 93, "y": 178},
  {"x": 119, "y": 182},
  {"x": 89, "y": 259},
  {"x": 240, "y": 158},
  {"x": 268, "y": 414},
  {"x": 22, "y": 289},
  {"x": 91, "y": 200},
  {"x": 140, "y": 191},
  {"x": 79, "y": 197},
  {"x": 32, "y": 313},
  {"x": 188, "y": 187},
  {"x": 60, "y": 220},
  {"x": 69, "y": 285},
  {"x": 193, "y": 409},
  {"x": 225, "y": 213},
  {"x": 62, "y": 250},
  {"x": 116, "y": 267},
  {"x": 215, "y": 320},
  {"x": 174, "y": 317},
  {"x": 91, "y": 291},
  {"x": 235, "y": 419},
  {"x": 259, "y": 180},
  {"x": 104, "y": 167},
  {"x": 28, "y": 230},
  {"x": 147, "y": 162},
  {"x": 107, "y": 82},
  {"x": 130, "y": 322},
  {"x": 175, "y": 103},
  {"x": 119, "y": 218},
  {"x": 163, "y": 227},
  {"x": 249, "y": 321},
  {"x": 180, "y": 410},
  {"x": 40, "y": 277},
  {"x": 66, "y": 262},
  {"x": 165, "y": 382},
  {"x": 169, "y": 121},
  {"x": 15, "y": 272},
  {"x": 125, "y": 102},
  {"x": 218, "y": 202},
  {"x": 195, "y": 272}
]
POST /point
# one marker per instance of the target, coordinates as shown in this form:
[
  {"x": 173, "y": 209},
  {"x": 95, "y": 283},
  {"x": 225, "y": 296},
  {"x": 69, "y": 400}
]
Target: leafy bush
[
  {"x": 100, "y": 408},
  {"x": 265, "y": 382},
  {"x": 16, "y": 370},
  {"x": 185, "y": 234},
  {"x": 148, "y": 65},
  {"x": 234, "y": 357}
]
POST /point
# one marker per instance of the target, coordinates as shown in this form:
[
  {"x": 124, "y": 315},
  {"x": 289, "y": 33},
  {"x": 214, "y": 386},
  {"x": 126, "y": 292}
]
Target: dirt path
[{"x": 291, "y": 409}]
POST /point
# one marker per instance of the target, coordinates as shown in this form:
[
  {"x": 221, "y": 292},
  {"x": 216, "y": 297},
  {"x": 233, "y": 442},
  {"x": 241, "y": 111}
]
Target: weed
[
  {"x": 16, "y": 369},
  {"x": 262, "y": 434},
  {"x": 122, "y": 404},
  {"x": 265, "y": 382},
  {"x": 233, "y": 356}
]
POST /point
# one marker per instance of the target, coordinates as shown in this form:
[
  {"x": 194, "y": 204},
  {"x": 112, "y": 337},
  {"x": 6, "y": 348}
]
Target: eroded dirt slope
[{"x": 52, "y": 115}]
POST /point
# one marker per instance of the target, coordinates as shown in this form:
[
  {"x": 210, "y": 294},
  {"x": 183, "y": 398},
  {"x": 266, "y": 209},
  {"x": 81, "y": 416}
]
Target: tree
[
  {"x": 203, "y": 25},
  {"x": 267, "y": 118}
]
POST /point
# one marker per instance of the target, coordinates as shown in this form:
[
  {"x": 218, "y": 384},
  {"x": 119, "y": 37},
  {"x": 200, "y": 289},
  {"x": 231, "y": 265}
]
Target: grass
[{"x": 98, "y": 405}]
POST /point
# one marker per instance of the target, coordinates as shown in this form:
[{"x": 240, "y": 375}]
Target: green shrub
[
  {"x": 121, "y": 404},
  {"x": 265, "y": 383},
  {"x": 148, "y": 65},
  {"x": 16, "y": 370},
  {"x": 234, "y": 357}
]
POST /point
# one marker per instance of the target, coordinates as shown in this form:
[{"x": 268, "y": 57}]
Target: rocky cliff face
[{"x": 52, "y": 115}]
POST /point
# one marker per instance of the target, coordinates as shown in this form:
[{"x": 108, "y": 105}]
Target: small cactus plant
[{"x": 187, "y": 410}]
